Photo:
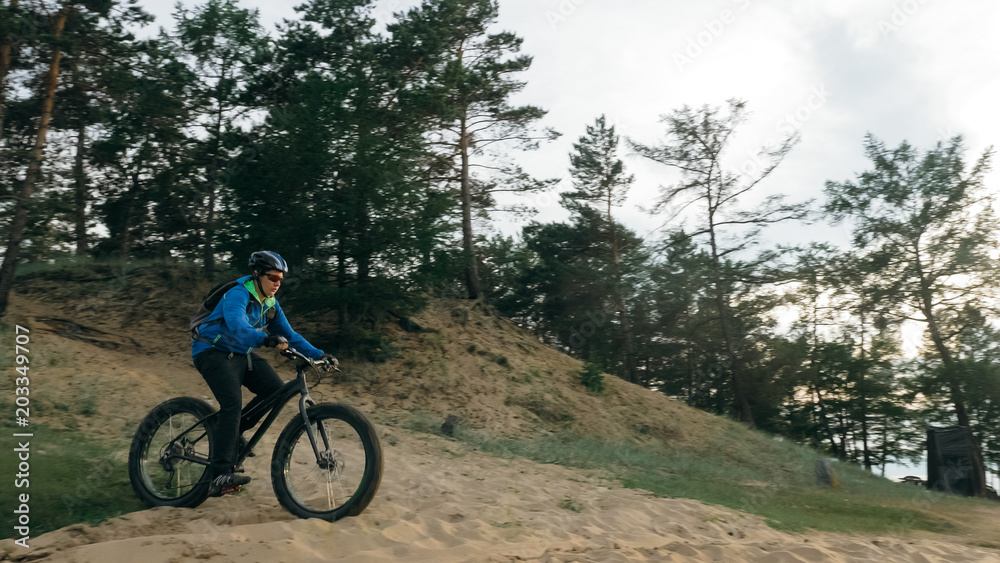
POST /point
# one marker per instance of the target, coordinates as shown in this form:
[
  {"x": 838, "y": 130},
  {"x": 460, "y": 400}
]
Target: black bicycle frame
[{"x": 274, "y": 404}]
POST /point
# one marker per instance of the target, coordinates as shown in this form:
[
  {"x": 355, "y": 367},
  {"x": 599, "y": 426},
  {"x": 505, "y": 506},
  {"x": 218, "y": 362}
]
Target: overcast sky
[{"x": 919, "y": 70}]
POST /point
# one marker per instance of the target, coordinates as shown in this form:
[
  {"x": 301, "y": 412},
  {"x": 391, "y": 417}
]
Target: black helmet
[{"x": 265, "y": 260}]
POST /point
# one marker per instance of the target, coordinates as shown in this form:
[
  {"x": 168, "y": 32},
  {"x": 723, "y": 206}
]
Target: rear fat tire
[
  {"x": 144, "y": 469},
  {"x": 294, "y": 436}
]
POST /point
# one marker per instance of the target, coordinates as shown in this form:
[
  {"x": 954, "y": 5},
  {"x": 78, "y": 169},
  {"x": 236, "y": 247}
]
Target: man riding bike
[{"x": 223, "y": 354}]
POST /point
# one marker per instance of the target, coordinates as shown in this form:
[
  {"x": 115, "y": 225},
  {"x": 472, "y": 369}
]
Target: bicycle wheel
[
  {"x": 345, "y": 477},
  {"x": 168, "y": 460}
]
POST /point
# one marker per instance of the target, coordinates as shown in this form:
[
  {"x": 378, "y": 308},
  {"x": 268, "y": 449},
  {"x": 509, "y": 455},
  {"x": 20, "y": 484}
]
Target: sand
[{"x": 442, "y": 501}]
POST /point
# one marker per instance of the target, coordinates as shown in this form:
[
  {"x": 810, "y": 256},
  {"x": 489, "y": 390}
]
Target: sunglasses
[{"x": 275, "y": 278}]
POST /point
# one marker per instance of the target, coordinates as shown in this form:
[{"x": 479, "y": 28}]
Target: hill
[{"x": 107, "y": 344}]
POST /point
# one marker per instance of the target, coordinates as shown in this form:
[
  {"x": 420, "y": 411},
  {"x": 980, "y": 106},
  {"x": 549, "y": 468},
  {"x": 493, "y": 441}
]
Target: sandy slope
[
  {"x": 442, "y": 502},
  {"x": 439, "y": 500}
]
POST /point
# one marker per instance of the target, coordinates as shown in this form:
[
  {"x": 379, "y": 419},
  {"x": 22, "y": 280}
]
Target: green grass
[
  {"x": 71, "y": 479},
  {"x": 421, "y": 421},
  {"x": 771, "y": 479},
  {"x": 571, "y": 505}
]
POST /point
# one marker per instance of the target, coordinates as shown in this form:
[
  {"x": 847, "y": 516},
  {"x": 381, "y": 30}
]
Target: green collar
[{"x": 252, "y": 288}]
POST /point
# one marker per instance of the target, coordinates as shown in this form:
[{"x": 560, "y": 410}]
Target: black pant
[{"x": 225, "y": 373}]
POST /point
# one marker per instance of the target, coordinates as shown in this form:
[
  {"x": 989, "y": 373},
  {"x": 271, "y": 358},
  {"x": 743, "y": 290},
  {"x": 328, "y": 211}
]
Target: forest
[{"x": 375, "y": 157}]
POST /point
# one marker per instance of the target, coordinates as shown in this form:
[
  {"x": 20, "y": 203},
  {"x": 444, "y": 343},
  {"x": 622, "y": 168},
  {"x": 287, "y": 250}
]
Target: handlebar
[{"x": 325, "y": 365}]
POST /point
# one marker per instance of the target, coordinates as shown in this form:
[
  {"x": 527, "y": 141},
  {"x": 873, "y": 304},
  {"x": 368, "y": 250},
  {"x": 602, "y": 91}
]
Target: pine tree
[
  {"x": 474, "y": 75},
  {"x": 696, "y": 142},
  {"x": 9, "y": 19},
  {"x": 677, "y": 330},
  {"x": 95, "y": 68},
  {"x": 35, "y": 157},
  {"x": 139, "y": 156},
  {"x": 339, "y": 170},
  {"x": 569, "y": 288},
  {"x": 926, "y": 224},
  {"x": 223, "y": 45},
  {"x": 601, "y": 183}
]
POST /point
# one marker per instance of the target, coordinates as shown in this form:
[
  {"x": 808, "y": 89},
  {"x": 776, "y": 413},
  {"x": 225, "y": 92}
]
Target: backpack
[{"x": 211, "y": 301}]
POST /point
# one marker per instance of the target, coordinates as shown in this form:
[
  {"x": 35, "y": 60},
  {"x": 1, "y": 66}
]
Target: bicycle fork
[{"x": 325, "y": 458}]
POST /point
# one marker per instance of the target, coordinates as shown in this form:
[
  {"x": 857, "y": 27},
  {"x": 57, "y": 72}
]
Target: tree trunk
[
  {"x": 864, "y": 436},
  {"x": 631, "y": 370},
  {"x": 80, "y": 204},
  {"x": 735, "y": 369},
  {"x": 472, "y": 283},
  {"x": 958, "y": 402},
  {"x": 885, "y": 443},
  {"x": 343, "y": 316},
  {"x": 213, "y": 178},
  {"x": 5, "y": 61},
  {"x": 954, "y": 383},
  {"x": 826, "y": 423},
  {"x": 862, "y": 396},
  {"x": 814, "y": 370},
  {"x": 17, "y": 227},
  {"x": 692, "y": 381},
  {"x": 843, "y": 437},
  {"x": 209, "y": 250},
  {"x": 130, "y": 198},
  {"x": 739, "y": 383},
  {"x": 363, "y": 256}
]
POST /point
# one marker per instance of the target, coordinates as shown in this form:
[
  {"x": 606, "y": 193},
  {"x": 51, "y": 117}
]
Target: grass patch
[
  {"x": 71, "y": 479},
  {"x": 592, "y": 377},
  {"x": 774, "y": 481},
  {"x": 421, "y": 421},
  {"x": 571, "y": 505},
  {"x": 551, "y": 408},
  {"x": 85, "y": 266}
]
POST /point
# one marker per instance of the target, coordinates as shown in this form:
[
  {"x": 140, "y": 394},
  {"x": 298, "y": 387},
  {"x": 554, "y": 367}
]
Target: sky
[{"x": 832, "y": 70}]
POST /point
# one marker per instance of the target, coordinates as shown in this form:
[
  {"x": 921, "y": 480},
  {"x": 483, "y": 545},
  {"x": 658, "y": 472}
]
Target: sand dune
[{"x": 442, "y": 501}]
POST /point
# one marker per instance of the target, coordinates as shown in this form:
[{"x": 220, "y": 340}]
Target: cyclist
[{"x": 223, "y": 354}]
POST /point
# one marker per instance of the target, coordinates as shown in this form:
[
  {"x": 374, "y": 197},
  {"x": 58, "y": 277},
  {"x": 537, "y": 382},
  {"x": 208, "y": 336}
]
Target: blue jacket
[{"x": 240, "y": 332}]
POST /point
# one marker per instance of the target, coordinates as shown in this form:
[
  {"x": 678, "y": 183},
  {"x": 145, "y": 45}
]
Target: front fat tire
[
  {"x": 296, "y": 477},
  {"x": 161, "y": 425}
]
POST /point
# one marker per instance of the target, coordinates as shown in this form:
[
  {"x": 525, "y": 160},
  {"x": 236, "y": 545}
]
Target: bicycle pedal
[
  {"x": 230, "y": 490},
  {"x": 225, "y": 491}
]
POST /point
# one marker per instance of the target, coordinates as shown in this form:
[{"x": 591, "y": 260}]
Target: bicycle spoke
[
  {"x": 169, "y": 453},
  {"x": 328, "y": 483},
  {"x": 169, "y": 475}
]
